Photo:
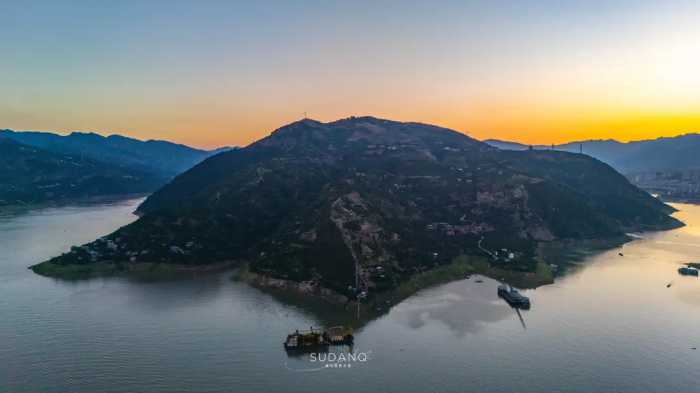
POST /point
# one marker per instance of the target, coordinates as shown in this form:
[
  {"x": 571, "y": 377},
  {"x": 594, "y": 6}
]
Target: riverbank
[
  {"x": 553, "y": 259},
  {"x": 244, "y": 274},
  {"x": 20, "y": 208},
  {"x": 379, "y": 302},
  {"x": 459, "y": 269},
  {"x": 565, "y": 253},
  {"x": 142, "y": 270}
]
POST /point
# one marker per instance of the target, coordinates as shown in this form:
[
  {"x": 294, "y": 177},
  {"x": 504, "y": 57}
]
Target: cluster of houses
[
  {"x": 379, "y": 148},
  {"x": 671, "y": 185},
  {"x": 504, "y": 254},
  {"x": 466, "y": 228}
]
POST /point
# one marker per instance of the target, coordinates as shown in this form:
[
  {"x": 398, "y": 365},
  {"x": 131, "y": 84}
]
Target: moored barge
[
  {"x": 688, "y": 271},
  {"x": 513, "y": 297}
]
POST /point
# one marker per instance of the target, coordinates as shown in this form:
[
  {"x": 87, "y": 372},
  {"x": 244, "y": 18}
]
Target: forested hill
[{"x": 331, "y": 202}]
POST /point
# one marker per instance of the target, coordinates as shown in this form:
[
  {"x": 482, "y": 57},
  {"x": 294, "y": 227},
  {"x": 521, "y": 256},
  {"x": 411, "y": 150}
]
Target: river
[{"x": 612, "y": 324}]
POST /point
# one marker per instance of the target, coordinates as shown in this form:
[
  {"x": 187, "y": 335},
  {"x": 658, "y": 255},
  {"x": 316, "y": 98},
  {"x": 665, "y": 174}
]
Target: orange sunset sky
[{"x": 227, "y": 73}]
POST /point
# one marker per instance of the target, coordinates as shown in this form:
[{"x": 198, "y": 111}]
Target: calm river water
[{"x": 610, "y": 325}]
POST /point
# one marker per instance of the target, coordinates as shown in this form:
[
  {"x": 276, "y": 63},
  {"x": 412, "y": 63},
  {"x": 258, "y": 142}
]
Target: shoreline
[
  {"x": 457, "y": 270},
  {"x": 683, "y": 200},
  {"x": 553, "y": 259},
  {"x": 564, "y": 254},
  {"x": 263, "y": 282},
  {"x": 155, "y": 271},
  {"x": 14, "y": 209}
]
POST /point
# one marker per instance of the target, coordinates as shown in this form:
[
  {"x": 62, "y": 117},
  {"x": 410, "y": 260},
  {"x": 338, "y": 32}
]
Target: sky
[{"x": 208, "y": 73}]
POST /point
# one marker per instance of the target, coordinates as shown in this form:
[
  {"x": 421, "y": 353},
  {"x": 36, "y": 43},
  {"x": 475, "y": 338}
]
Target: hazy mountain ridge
[
  {"x": 660, "y": 154},
  {"x": 165, "y": 159},
  {"x": 373, "y": 200},
  {"x": 668, "y": 167},
  {"x": 29, "y": 175}
]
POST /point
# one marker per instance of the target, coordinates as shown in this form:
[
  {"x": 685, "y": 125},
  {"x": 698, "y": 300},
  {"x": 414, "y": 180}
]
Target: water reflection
[
  {"x": 463, "y": 306},
  {"x": 520, "y": 317}
]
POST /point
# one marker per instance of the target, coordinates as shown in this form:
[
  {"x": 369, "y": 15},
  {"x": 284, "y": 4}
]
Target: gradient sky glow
[{"x": 209, "y": 73}]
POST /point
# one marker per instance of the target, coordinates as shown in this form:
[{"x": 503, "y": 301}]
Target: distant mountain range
[
  {"x": 370, "y": 202},
  {"x": 161, "y": 158},
  {"x": 678, "y": 153},
  {"x": 29, "y": 175},
  {"x": 46, "y": 167}
]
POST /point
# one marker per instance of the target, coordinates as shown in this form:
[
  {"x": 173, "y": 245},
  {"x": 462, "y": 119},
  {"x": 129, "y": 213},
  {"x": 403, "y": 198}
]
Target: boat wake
[{"x": 303, "y": 370}]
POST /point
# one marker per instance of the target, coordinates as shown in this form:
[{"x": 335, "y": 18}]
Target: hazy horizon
[
  {"x": 228, "y": 73},
  {"x": 268, "y": 132}
]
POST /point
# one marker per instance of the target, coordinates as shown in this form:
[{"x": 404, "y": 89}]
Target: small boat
[
  {"x": 513, "y": 297},
  {"x": 688, "y": 271}
]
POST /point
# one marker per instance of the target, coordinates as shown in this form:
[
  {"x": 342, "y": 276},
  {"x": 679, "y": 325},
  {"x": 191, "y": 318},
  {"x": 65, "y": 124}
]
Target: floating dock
[{"x": 317, "y": 339}]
